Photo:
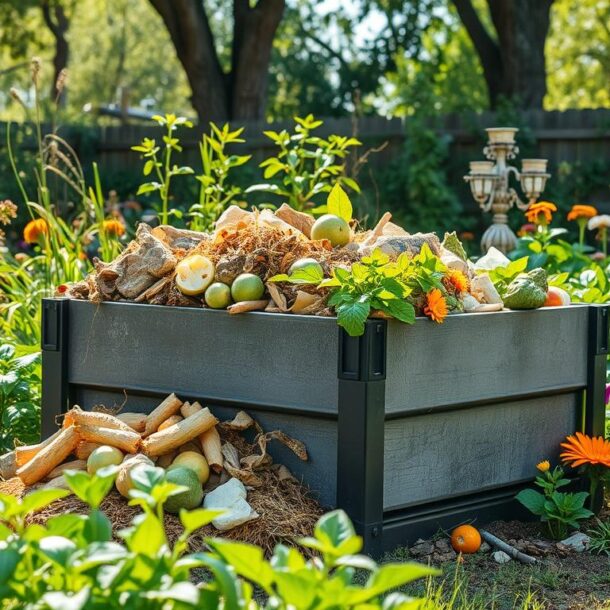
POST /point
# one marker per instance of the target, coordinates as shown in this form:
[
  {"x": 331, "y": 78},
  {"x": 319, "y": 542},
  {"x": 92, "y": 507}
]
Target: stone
[
  {"x": 450, "y": 555},
  {"x": 422, "y": 549},
  {"x": 492, "y": 260},
  {"x": 231, "y": 497},
  {"x": 500, "y": 557},
  {"x": 578, "y": 542},
  {"x": 484, "y": 548},
  {"x": 443, "y": 545},
  {"x": 483, "y": 289}
]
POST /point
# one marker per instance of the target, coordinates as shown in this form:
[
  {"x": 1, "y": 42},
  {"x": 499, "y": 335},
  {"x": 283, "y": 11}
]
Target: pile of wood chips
[{"x": 285, "y": 508}]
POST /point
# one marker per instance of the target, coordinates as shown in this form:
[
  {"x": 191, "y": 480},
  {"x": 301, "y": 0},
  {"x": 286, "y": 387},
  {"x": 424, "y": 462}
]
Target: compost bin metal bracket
[
  {"x": 360, "y": 445},
  {"x": 54, "y": 362}
]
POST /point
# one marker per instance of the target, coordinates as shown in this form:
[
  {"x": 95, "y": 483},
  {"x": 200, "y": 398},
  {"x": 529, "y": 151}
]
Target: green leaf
[
  {"x": 58, "y": 549},
  {"x": 334, "y": 528},
  {"x": 196, "y": 519},
  {"x": 298, "y": 589},
  {"x": 149, "y": 187},
  {"x": 532, "y": 500},
  {"x": 91, "y": 489},
  {"x": 36, "y": 500},
  {"x": 100, "y": 553},
  {"x": 63, "y": 601},
  {"x": 147, "y": 536},
  {"x": 388, "y": 577},
  {"x": 97, "y": 527},
  {"x": 247, "y": 560},
  {"x": 338, "y": 203},
  {"x": 184, "y": 592},
  {"x": 401, "y": 310},
  {"x": 352, "y": 316}
]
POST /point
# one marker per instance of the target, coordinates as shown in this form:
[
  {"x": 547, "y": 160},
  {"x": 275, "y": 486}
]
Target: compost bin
[{"x": 408, "y": 428}]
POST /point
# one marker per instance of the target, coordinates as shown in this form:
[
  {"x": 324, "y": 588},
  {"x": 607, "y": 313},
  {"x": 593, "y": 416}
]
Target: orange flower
[
  {"x": 114, "y": 227},
  {"x": 436, "y": 306},
  {"x": 466, "y": 236},
  {"x": 526, "y": 229},
  {"x": 34, "y": 230},
  {"x": 543, "y": 466},
  {"x": 582, "y": 449},
  {"x": 581, "y": 211},
  {"x": 541, "y": 213},
  {"x": 457, "y": 280}
]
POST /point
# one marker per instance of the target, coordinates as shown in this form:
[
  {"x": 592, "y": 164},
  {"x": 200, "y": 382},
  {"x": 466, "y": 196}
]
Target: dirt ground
[{"x": 562, "y": 579}]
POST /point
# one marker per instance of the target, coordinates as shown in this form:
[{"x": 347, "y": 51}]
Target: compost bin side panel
[
  {"x": 277, "y": 360},
  {"x": 477, "y": 358},
  {"x": 443, "y": 455},
  {"x": 319, "y": 473}
]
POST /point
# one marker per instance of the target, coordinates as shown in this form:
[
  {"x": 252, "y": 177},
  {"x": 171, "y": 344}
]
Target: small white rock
[
  {"x": 492, "y": 260},
  {"x": 231, "y": 497},
  {"x": 484, "y": 548},
  {"x": 578, "y": 542},
  {"x": 500, "y": 557}
]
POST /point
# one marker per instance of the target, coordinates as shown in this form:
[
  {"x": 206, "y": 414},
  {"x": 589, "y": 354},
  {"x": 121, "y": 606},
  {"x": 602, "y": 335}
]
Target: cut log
[
  {"x": 72, "y": 465},
  {"x": 170, "y": 421},
  {"x": 126, "y": 441},
  {"x": 84, "y": 449},
  {"x": 136, "y": 421},
  {"x": 511, "y": 551},
  {"x": 49, "y": 457},
  {"x": 173, "y": 437},
  {"x": 77, "y": 417},
  {"x": 25, "y": 453},
  {"x": 8, "y": 465},
  {"x": 210, "y": 440},
  {"x": 170, "y": 406},
  {"x": 212, "y": 449},
  {"x": 245, "y": 306}
]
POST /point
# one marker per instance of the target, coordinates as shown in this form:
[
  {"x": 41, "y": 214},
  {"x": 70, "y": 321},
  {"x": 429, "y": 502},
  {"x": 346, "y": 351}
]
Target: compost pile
[
  {"x": 155, "y": 269},
  {"x": 222, "y": 465}
]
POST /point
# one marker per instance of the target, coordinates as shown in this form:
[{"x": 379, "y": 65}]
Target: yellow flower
[
  {"x": 540, "y": 213},
  {"x": 436, "y": 306},
  {"x": 581, "y": 211},
  {"x": 544, "y": 466},
  {"x": 34, "y": 230},
  {"x": 114, "y": 227}
]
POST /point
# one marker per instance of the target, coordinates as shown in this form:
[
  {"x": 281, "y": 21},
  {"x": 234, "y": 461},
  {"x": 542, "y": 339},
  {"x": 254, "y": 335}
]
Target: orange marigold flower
[
  {"x": 436, "y": 306},
  {"x": 582, "y": 449},
  {"x": 540, "y": 213},
  {"x": 581, "y": 211},
  {"x": 34, "y": 230},
  {"x": 114, "y": 227},
  {"x": 544, "y": 466},
  {"x": 466, "y": 236},
  {"x": 457, "y": 280}
]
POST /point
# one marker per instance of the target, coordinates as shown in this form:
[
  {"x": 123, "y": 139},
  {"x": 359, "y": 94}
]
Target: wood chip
[
  {"x": 127, "y": 441},
  {"x": 170, "y": 406},
  {"x": 245, "y": 306}
]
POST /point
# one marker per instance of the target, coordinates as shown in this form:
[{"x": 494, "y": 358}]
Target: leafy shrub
[
  {"x": 19, "y": 397},
  {"x": 416, "y": 186},
  {"x": 72, "y": 561}
]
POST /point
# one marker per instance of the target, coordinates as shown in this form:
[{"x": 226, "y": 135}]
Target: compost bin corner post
[
  {"x": 360, "y": 446},
  {"x": 595, "y": 402},
  {"x": 54, "y": 363}
]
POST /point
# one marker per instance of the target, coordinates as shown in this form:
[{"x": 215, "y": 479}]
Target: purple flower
[{"x": 607, "y": 393}]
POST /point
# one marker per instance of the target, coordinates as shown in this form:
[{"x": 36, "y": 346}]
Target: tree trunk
[
  {"x": 189, "y": 29},
  {"x": 58, "y": 23},
  {"x": 216, "y": 96},
  {"x": 514, "y": 66},
  {"x": 253, "y": 33}
]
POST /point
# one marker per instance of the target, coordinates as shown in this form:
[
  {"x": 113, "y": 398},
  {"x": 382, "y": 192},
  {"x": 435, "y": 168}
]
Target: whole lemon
[
  {"x": 306, "y": 263},
  {"x": 333, "y": 228},
  {"x": 218, "y": 296},
  {"x": 247, "y": 287}
]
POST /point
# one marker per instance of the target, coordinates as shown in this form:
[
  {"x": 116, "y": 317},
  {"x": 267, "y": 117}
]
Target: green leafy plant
[
  {"x": 306, "y": 165},
  {"x": 503, "y": 276},
  {"x": 158, "y": 161},
  {"x": 72, "y": 561},
  {"x": 600, "y": 538},
  {"x": 19, "y": 397},
  {"x": 559, "y": 511},
  {"x": 215, "y": 194}
]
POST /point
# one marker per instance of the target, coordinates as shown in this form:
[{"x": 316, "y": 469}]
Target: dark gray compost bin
[{"x": 408, "y": 428}]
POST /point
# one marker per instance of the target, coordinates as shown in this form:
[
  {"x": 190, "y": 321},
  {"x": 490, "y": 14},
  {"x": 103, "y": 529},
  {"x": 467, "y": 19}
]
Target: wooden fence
[{"x": 574, "y": 136}]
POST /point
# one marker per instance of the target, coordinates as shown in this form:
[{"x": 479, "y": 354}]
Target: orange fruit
[
  {"x": 465, "y": 539},
  {"x": 556, "y": 297}
]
